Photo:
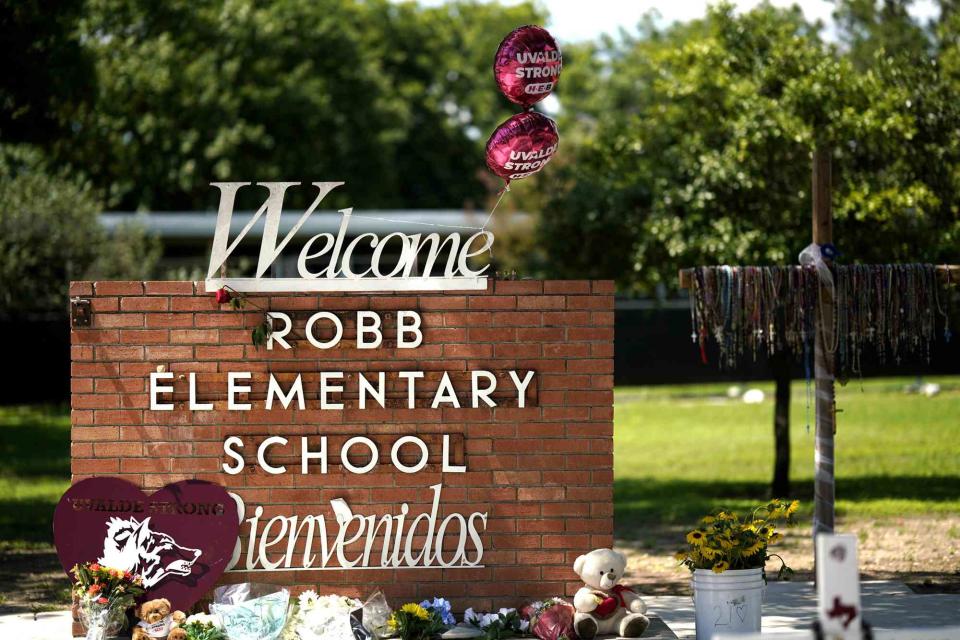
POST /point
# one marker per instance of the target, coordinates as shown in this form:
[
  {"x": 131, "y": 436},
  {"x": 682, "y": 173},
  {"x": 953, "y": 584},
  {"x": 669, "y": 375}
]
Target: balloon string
[{"x": 500, "y": 195}]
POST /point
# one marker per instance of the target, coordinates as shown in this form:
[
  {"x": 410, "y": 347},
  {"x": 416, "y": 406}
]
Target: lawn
[
  {"x": 682, "y": 451},
  {"x": 34, "y": 472}
]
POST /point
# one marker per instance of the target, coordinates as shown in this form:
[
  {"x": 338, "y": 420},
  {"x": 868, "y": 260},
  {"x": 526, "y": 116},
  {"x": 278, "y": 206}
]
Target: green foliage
[
  {"x": 394, "y": 98},
  {"x": 48, "y": 232},
  {"x": 131, "y": 254},
  {"x": 696, "y": 142}
]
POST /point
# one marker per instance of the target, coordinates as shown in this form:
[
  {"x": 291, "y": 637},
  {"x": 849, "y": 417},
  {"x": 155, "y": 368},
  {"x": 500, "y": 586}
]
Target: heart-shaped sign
[{"x": 179, "y": 540}]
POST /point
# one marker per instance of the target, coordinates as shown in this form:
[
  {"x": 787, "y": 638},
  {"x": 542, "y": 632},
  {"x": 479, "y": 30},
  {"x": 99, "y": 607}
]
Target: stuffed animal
[
  {"x": 157, "y": 621},
  {"x": 604, "y": 606}
]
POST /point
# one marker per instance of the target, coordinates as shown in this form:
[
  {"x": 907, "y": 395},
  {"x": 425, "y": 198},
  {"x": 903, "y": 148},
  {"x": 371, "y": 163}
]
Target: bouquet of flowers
[
  {"x": 201, "y": 626},
  {"x": 416, "y": 622},
  {"x": 503, "y": 624},
  {"x": 104, "y": 595},
  {"x": 551, "y": 619},
  {"x": 724, "y": 541},
  {"x": 317, "y": 617},
  {"x": 251, "y": 611}
]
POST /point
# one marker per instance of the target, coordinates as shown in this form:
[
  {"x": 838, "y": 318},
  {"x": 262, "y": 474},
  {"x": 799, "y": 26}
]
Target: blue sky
[{"x": 573, "y": 20}]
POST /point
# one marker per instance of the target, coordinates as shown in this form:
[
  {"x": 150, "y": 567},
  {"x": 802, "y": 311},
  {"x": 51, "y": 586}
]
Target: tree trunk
[{"x": 780, "y": 365}]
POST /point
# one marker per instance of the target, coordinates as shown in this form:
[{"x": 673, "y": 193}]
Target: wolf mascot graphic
[{"x": 131, "y": 545}]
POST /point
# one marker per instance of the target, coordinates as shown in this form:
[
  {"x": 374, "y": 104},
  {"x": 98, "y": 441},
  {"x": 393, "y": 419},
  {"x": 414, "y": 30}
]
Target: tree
[
  {"x": 50, "y": 234},
  {"x": 393, "y": 98},
  {"x": 696, "y": 142}
]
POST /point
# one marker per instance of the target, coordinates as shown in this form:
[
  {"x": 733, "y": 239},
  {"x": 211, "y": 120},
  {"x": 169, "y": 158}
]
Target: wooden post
[{"x": 823, "y": 511}]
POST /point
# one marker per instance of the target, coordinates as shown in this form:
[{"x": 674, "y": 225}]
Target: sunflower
[
  {"x": 696, "y": 537},
  {"x": 753, "y": 548},
  {"x": 709, "y": 553},
  {"x": 775, "y": 538},
  {"x": 415, "y": 610},
  {"x": 680, "y": 556},
  {"x": 765, "y": 530},
  {"x": 726, "y": 543},
  {"x": 792, "y": 509},
  {"x": 721, "y": 566},
  {"x": 708, "y": 520}
]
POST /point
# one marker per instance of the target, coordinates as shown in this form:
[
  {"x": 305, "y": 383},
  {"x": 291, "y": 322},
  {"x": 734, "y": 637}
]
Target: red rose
[
  {"x": 95, "y": 567},
  {"x": 223, "y": 296}
]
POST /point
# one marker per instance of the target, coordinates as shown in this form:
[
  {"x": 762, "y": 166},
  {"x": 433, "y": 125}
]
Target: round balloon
[
  {"x": 522, "y": 145},
  {"x": 527, "y": 65}
]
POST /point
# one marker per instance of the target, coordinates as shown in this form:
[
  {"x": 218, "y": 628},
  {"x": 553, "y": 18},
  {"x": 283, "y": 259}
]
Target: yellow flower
[
  {"x": 680, "y": 556},
  {"x": 696, "y": 537},
  {"x": 792, "y": 509},
  {"x": 721, "y": 566},
  {"x": 708, "y": 520},
  {"x": 726, "y": 543},
  {"x": 723, "y": 515},
  {"x": 709, "y": 553},
  {"x": 392, "y": 622},
  {"x": 753, "y": 549},
  {"x": 765, "y": 530},
  {"x": 775, "y": 538},
  {"x": 415, "y": 610}
]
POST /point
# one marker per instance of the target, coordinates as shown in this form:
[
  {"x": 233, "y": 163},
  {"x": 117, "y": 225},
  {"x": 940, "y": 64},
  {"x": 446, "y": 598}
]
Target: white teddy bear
[{"x": 603, "y": 606}]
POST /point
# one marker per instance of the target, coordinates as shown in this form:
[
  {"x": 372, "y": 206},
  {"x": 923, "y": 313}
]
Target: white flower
[
  {"x": 470, "y": 616},
  {"x": 524, "y": 625},
  {"x": 308, "y": 600},
  {"x": 207, "y": 620}
]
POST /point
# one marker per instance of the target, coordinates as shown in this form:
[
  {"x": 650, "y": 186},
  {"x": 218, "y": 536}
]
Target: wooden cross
[{"x": 824, "y": 364}]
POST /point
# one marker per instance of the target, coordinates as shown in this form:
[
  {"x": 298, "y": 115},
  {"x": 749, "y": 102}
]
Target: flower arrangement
[
  {"x": 550, "y": 619},
  {"x": 505, "y": 623},
  {"x": 416, "y": 622},
  {"x": 201, "y": 626},
  {"x": 104, "y": 595},
  {"x": 314, "y": 616},
  {"x": 723, "y": 541}
]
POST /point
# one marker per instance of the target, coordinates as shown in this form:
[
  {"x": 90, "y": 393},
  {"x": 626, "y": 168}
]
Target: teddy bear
[
  {"x": 158, "y": 621},
  {"x": 603, "y": 606}
]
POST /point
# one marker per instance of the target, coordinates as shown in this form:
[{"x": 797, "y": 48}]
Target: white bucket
[{"x": 727, "y": 602}]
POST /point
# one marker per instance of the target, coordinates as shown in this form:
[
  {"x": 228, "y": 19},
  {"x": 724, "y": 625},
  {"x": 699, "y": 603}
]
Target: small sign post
[{"x": 838, "y": 586}]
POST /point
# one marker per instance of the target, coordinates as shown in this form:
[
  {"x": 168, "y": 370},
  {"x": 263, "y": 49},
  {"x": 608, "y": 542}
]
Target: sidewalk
[{"x": 792, "y": 606}]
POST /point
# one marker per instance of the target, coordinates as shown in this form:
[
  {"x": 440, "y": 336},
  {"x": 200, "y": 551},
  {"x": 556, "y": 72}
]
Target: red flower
[
  {"x": 95, "y": 567},
  {"x": 223, "y": 296},
  {"x": 94, "y": 588},
  {"x": 127, "y": 575},
  {"x": 103, "y": 601}
]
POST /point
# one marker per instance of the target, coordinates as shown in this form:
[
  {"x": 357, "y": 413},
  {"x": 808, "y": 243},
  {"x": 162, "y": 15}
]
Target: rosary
[{"x": 893, "y": 309}]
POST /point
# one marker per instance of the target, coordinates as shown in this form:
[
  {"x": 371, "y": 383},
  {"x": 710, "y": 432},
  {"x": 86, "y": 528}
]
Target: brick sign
[{"x": 455, "y": 443}]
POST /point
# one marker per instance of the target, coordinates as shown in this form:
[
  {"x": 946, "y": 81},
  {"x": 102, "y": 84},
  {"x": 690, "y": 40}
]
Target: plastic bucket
[{"x": 728, "y": 602}]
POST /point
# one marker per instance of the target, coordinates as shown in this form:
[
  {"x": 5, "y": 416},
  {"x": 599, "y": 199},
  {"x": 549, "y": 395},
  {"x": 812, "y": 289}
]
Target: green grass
[
  {"x": 683, "y": 451},
  {"x": 34, "y": 472},
  {"x": 679, "y": 451}
]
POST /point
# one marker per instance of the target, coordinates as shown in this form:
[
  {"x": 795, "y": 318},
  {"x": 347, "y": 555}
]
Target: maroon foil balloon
[
  {"x": 522, "y": 145},
  {"x": 527, "y": 65}
]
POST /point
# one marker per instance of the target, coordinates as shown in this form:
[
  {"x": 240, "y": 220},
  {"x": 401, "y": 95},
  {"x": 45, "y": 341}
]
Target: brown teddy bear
[{"x": 157, "y": 621}]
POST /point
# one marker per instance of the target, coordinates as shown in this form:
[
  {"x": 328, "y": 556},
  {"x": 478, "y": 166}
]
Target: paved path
[
  {"x": 789, "y": 606},
  {"x": 792, "y": 606}
]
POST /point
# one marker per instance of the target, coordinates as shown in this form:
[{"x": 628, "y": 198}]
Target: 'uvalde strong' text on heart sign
[{"x": 337, "y": 538}]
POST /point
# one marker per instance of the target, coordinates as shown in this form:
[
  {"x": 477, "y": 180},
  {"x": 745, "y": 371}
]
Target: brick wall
[{"x": 544, "y": 473}]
